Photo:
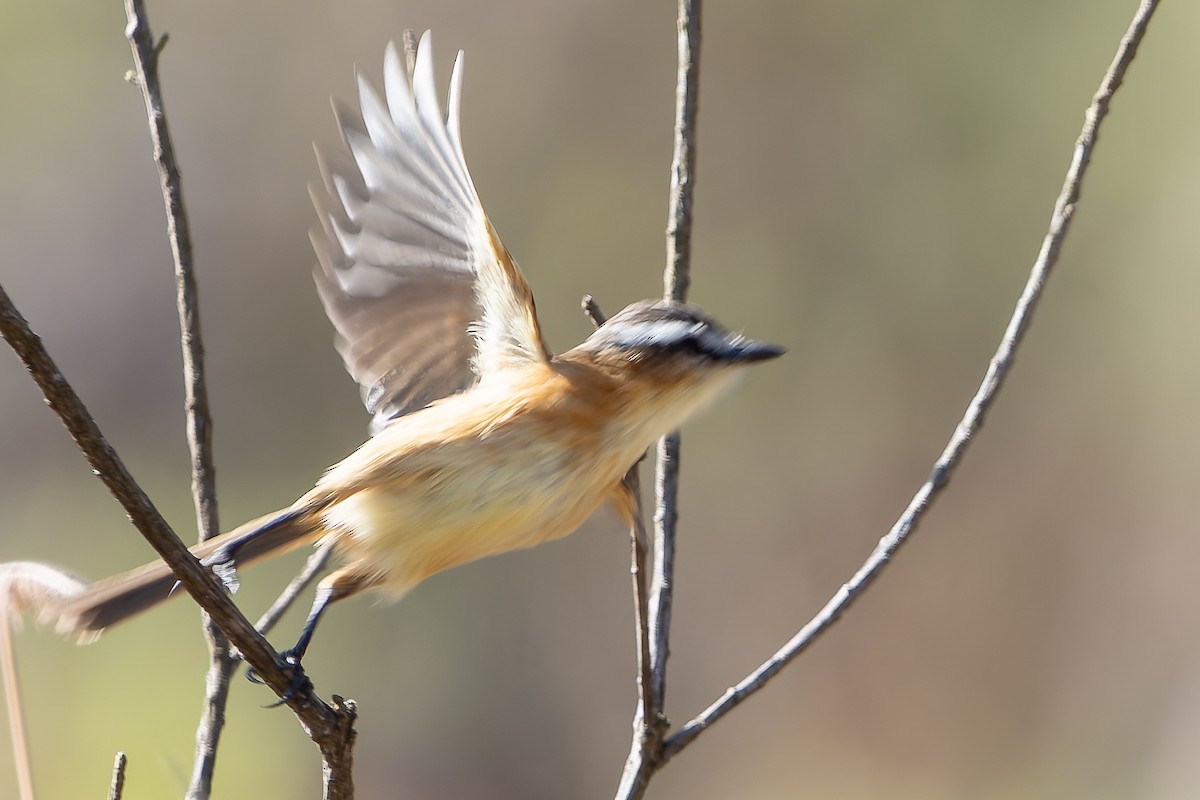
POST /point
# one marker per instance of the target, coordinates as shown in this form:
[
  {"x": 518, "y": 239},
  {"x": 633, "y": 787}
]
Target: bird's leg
[
  {"x": 336, "y": 586},
  {"x": 223, "y": 561},
  {"x": 321, "y": 601}
]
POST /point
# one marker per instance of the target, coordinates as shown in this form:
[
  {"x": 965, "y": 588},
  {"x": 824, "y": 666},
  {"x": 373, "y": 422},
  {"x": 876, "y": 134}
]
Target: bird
[{"x": 482, "y": 441}]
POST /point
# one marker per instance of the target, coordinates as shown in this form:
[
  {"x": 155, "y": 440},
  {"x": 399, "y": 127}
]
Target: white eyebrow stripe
[{"x": 658, "y": 332}]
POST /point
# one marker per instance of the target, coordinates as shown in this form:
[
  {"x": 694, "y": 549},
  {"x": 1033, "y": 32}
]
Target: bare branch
[
  {"x": 591, "y": 310},
  {"x": 198, "y": 423},
  {"x": 319, "y": 720},
  {"x": 222, "y": 665},
  {"x": 676, "y": 280},
  {"x": 650, "y": 723},
  {"x": 117, "y": 787},
  {"x": 316, "y": 562},
  {"x": 998, "y": 368},
  {"x": 337, "y": 752},
  {"x": 631, "y": 508},
  {"x": 639, "y": 764},
  {"x": 666, "y": 515},
  {"x": 18, "y": 732},
  {"x": 199, "y": 428},
  {"x": 677, "y": 277}
]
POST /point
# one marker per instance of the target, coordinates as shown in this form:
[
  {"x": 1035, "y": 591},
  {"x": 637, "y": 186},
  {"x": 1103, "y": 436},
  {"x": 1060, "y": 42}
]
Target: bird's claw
[
  {"x": 299, "y": 684},
  {"x": 224, "y": 567}
]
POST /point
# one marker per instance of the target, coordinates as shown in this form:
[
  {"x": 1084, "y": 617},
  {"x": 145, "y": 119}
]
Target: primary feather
[{"x": 425, "y": 299}]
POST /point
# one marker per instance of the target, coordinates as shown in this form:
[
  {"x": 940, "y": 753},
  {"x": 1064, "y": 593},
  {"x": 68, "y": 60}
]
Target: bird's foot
[
  {"x": 289, "y": 662},
  {"x": 224, "y": 566}
]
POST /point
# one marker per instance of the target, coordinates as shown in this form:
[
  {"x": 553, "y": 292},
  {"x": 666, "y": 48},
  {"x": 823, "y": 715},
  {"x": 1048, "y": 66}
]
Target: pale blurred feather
[{"x": 425, "y": 299}]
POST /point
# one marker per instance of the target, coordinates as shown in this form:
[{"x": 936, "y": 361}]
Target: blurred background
[{"x": 874, "y": 180}]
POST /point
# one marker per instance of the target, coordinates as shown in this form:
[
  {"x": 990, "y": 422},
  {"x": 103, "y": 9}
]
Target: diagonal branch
[
  {"x": 316, "y": 562},
  {"x": 199, "y": 582},
  {"x": 330, "y": 728},
  {"x": 998, "y": 368},
  {"x": 116, "y": 788}
]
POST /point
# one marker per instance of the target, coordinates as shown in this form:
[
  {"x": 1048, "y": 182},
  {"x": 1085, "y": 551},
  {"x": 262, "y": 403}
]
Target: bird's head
[
  {"x": 671, "y": 344},
  {"x": 671, "y": 359},
  {"x": 671, "y": 340}
]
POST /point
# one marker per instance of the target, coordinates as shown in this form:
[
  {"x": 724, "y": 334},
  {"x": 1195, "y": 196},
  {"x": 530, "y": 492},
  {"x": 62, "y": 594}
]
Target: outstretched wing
[{"x": 425, "y": 298}]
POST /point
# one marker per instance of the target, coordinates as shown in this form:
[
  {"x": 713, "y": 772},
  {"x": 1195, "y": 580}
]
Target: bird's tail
[{"x": 85, "y": 610}]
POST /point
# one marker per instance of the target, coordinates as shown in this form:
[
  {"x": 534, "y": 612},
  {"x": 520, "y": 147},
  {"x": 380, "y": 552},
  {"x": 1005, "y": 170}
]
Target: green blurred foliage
[{"x": 874, "y": 180}]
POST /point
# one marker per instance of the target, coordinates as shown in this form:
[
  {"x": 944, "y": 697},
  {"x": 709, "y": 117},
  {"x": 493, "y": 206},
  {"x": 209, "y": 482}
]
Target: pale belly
[{"x": 402, "y": 534}]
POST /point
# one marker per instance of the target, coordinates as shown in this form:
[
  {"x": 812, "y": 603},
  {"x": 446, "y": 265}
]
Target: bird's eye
[
  {"x": 697, "y": 344},
  {"x": 703, "y": 342}
]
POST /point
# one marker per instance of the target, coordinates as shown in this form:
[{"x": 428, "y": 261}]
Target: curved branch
[{"x": 998, "y": 368}]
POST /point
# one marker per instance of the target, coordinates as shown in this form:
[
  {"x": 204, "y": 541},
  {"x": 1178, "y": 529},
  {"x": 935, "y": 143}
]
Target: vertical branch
[
  {"x": 628, "y": 501},
  {"x": 676, "y": 280},
  {"x": 647, "y": 738},
  {"x": 654, "y": 615},
  {"x": 16, "y": 713},
  {"x": 677, "y": 276},
  {"x": 198, "y": 422},
  {"x": 641, "y": 602}
]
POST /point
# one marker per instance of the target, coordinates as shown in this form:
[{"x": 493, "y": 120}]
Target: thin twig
[
  {"x": 632, "y": 485},
  {"x": 316, "y": 562},
  {"x": 650, "y": 722},
  {"x": 677, "y": 277},
  {"x": 116, "y": 788},
  {"x": 16, "y": 713},
  {"x": 199, "y": 429},
  {"x": 998, "y": 368},
  {"x": 666, "y": 516},
  {"x": 198, "y": 422},
  {"x": 223, "y": 663},
  {"x": 638, "y": 765},
  {"x": 591, "y": 310}
]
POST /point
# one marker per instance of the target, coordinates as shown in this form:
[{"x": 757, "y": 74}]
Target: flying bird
[{"x": 482, "y": 440}]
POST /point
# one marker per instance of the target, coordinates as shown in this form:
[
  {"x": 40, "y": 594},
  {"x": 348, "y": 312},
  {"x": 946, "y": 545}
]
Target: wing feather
[{"x": 425, "y": 299}]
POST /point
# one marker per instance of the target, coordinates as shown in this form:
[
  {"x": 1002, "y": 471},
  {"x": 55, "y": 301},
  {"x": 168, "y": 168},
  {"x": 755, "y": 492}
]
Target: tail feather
[
  {"x": 26, "y": 586},
  {"x": 88, "y": 610}
]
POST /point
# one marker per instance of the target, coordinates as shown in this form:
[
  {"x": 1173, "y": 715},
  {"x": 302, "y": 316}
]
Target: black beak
[{"x": 748, "y": 351}]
